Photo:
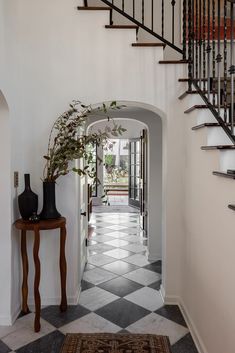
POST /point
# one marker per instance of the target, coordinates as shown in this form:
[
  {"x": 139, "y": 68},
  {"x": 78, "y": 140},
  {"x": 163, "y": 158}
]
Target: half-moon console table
[{"x": 25, "y": 226}]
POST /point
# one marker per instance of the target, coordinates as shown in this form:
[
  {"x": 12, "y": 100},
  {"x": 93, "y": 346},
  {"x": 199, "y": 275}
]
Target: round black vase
[
  {"x": 49, "y": 210},
  {"x": 28, "y": 200}
]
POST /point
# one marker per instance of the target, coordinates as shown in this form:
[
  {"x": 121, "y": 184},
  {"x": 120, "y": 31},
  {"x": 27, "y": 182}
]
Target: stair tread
[
  {"x": 187, "y": 79},
  {"x": 218, "y": 147},
  {"x": 224, "y": 174},
  {"x": 200, "y": 126},
  {"x": 202, "y": 79},
  {"x": 200, "y": 106},
  {"x": 122, "y": 26},
  {"x": 173, "y": 62},
  {"x": 93, "y": 8},
  {"x": 148, "y": 44},
  {"x": 185, "y": 93}
]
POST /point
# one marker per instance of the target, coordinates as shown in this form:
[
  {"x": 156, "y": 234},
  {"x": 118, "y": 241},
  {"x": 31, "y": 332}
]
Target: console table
[{"x": 25, "y": 226}]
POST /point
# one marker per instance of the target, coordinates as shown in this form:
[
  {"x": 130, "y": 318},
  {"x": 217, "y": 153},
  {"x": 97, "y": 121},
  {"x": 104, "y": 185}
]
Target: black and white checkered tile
[{"x": 120, "y": 293}]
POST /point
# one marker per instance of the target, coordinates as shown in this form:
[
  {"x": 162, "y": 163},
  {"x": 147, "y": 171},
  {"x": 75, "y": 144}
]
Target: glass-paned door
[
  {"x": 143, "y": 182},
  {"x": 134, "y": 173}
]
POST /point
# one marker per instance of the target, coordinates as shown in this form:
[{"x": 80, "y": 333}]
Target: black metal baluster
[
  {"x": 152, "y": 12},
  {"x": 86, "y": 3},
  {"x": 193, "y": 38},
  {"x": 190, "y": 44},
  {"x": 208, "y": 49},
  {"x": 184, "y": 29},
  {"x": 204, "y": 45},
  {"x": 133, "y": 8},
  {"x": 123, "y": 5},
  {"x": 225, "y": 62},
  {"x": 162, "y": 18},
  {"x": 173, "y": 21},
  {"x": 111, "y": 15},
  {"x": 232, "y": 68},
  {"x": 142, "y": 11},
  {"x": 200, "y": 43},
  {"x": 197, "y": 36},
  {"x": 213, "y": 52},
  {"x": 218, "y": 60}
]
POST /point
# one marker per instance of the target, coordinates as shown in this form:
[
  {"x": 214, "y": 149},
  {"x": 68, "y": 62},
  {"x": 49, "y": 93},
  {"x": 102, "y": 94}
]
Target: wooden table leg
[
  {"x": 25, "y": 265},
  {"x": 37, "y": 298},
  {"x": 63, "y": 269}
]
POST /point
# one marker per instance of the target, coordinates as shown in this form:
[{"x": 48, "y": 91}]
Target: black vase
[
  {"x": 28, "y": 200},
  {"x": 49, "y": 210}
]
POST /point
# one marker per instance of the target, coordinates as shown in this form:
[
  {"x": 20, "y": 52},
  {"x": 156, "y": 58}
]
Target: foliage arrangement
[{"x": 69, "y": 142}]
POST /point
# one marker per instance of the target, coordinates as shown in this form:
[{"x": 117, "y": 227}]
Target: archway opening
[
  {"x": 5, "y": 212},
  {"x": 149, "y": 118}
]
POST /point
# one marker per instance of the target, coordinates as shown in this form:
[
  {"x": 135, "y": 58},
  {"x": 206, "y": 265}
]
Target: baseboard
[
  {"x": 154, "y": 257},
  {"x": 9, "y": 320},
  {"x": 15, "y": 315},
  {"x": 73, "y": 300},
  {"x": 175, "y": 300},
  {"x": 192, "y": 328}
]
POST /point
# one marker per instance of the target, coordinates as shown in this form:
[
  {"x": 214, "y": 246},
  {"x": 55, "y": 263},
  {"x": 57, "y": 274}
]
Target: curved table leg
[
  {"x": 37, "y": 298},
  {"x": 63, "y": 269},
  {"x": 25, "y": 265}
]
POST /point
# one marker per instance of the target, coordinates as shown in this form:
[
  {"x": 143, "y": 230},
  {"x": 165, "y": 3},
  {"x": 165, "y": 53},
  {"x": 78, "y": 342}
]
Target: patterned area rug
[{"x": 115, "y": 343}]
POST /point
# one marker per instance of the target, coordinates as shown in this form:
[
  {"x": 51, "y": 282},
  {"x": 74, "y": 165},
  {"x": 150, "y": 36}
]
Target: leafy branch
[{"x": 68, "y": 141}]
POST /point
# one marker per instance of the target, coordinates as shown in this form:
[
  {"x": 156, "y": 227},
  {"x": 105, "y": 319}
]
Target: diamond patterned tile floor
[
  {"x": 4, "y": 348},
  {"x": 119, "y": 293}
]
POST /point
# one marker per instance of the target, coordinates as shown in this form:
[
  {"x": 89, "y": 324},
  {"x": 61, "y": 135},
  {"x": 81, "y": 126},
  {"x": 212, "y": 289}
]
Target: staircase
[{"x": 207, "y": 41}]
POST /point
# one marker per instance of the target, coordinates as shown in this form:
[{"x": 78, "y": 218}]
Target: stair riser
[
  {"x": 227, "y": 160},
  {"x": 217, "y": 136},
  {"x": 204, "y": 116},
  {"x": 196, "y": 99}
]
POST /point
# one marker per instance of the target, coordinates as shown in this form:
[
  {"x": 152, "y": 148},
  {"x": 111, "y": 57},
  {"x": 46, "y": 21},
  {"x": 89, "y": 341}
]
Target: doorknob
[{"x": 83, "y": 214}]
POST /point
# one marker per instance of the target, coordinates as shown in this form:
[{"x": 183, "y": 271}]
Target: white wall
[
  {"x": 207, "y": 263},
  {"x": 133, "y": 130},
  {"x": 5, "y": 211},
  {"x": 55, "y": 54}
]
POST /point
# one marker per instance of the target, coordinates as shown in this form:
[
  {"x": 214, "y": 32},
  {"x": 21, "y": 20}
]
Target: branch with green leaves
[{"x": 69, "y": 142}]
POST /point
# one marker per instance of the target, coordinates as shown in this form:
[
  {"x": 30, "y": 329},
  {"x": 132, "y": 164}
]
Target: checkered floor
[{"x": 120, "y": 293}]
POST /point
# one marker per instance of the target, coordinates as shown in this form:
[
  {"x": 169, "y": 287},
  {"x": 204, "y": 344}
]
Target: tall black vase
[
  {"x": 28, "y": 200},
  {"x": 49, "y": 210}
]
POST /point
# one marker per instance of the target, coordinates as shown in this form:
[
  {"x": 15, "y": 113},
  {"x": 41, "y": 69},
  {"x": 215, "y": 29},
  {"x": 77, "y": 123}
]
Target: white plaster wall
[
  {"x": 208, "y": 262},
  {"x": 5, "y": 211},
  {"x": 133, "y": 129},
  {"x": 56, "y": 54}
]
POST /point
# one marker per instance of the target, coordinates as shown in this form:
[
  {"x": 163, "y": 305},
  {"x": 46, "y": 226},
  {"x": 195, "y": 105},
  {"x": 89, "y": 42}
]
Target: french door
[
  {"x": 134, "y": 173},
  {"x": 143, "y": 181}
]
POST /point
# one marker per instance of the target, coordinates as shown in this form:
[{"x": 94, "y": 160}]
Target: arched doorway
[
  {"x": 152, "y": 118},
  {"x": 5, "y": 213}
]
